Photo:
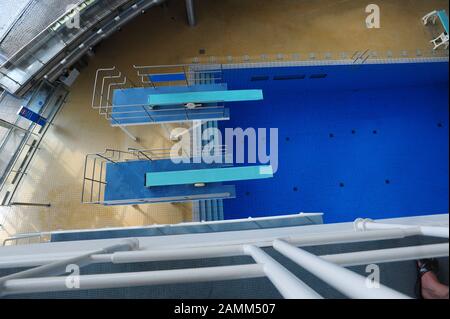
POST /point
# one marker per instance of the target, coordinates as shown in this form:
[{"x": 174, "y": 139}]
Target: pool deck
[{"x": 161, "y": 36}]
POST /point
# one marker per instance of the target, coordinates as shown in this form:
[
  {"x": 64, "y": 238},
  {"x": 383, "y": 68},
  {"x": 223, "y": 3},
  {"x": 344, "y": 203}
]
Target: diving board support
[
  {"x": 134, "y": 138},
  {"x": 190, "y": 12},
  {"x": 211, "y": 175},
  {"x": 195, "y": 125}
]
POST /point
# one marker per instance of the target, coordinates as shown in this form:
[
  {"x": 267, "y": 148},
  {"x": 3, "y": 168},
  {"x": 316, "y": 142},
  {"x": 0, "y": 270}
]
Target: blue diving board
[
  {"x": 205, "y": 97},
  {"x": 211, "y": 175},
  {"x": 169, "y": 77},
  {"x": 125, "y": 184},
  {"x": 442, "y": 15}
]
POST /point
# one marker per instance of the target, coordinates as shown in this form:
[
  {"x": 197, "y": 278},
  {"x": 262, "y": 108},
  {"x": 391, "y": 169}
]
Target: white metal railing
[
  {"x": 328, "y": 268},
  {"x": 107, "y": 80},
  {"x": 368, "y": 224},
  {"x": 24, "y": 148},
  {"x": 15, "y": 239},
  {"x": 58, "y": 267}
]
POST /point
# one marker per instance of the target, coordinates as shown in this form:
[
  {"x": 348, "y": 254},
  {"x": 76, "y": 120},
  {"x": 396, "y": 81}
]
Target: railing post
[
  {"x": 190, "y": 12},
  {"x": 287, "y": 284},
  {"x": 349, "y": 283}
]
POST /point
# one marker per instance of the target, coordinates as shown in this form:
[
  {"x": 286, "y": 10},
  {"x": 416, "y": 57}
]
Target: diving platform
[
  {"x": 149, "y": 176},
  {"x": 126, "y": 184},
  {"x": 130, "y": 106},
  {"x": 166, "y": 94}
]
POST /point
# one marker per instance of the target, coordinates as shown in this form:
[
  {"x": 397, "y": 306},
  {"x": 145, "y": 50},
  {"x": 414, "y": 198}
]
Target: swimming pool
[{"x": 354, "y": 140}]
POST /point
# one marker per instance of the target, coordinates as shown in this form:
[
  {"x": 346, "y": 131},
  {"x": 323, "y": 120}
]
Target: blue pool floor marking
[
  {"x": 205, "y": 97},
  {"x": 211, "y": 175}
]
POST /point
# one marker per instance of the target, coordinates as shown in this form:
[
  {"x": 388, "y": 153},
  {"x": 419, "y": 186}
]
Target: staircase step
[
  {"x": 196, "y": 211},
  {"x": 209, "y": 210},
  {"x": 202, "y": 211},
  {"x": 214, "y": 212},
  {"x": 220, "y": 208}
]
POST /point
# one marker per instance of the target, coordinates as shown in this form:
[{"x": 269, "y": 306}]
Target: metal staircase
[{"x": 207, "y": 210}]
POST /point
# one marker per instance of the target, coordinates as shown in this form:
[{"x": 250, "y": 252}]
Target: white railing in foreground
[
  {"x": 328, "y": 268},
  {"x": 210, "y": 250},
  {"x": 349, "y": 283},
  {"x": 368, "y": 224}
]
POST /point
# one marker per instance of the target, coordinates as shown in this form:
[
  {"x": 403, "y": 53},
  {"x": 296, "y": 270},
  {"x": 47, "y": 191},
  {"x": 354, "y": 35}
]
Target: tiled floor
[{"x": 161, "y": 36}]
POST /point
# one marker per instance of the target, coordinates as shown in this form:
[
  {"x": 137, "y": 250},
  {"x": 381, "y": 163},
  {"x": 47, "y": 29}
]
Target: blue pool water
[{"x": 354, "y": 141}]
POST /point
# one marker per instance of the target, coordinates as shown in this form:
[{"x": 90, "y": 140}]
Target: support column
[
  {"x": 134, "y": 138},
  {"x": 190, "y": 13}
]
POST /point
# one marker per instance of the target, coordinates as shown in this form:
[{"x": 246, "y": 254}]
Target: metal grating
[
  {"x": 10, "y": 10},
  {"x": 37, "y": 16}
]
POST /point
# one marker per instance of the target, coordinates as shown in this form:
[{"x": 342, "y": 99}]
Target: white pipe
[
  {"x": 59, "y": 266},
  {"x": 349, "y": 283},
  {"x": 287, "y": 284},
  {"x": 95, "y": 83},
  {"x": 346, "y": 259},
  {"x": 135, "y": 279},
  {"x": 171, "y": 254},
  {"x": 388, "y": 255},
  {"x": 351, "y": 237},
  {"x": 302, "y": 241},
  {"x": 190, "y": 12},
  {"x": 433, "y": 231},
  {"x": 237, "y": 250}
]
